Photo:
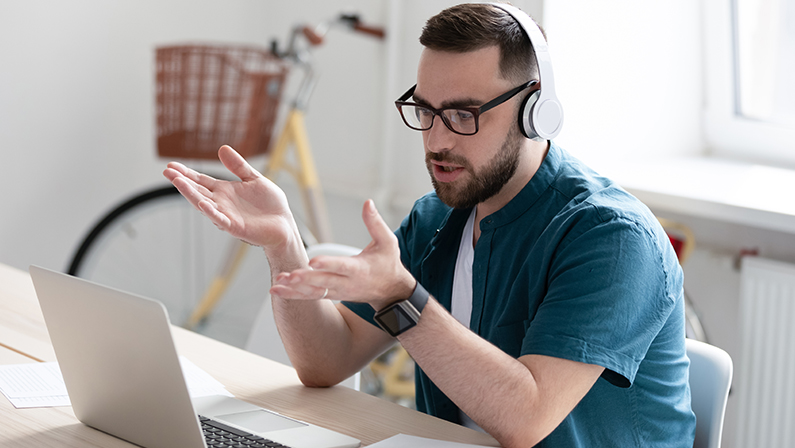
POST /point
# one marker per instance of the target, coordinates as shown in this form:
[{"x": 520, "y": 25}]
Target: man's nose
[{"x": 439, "y": 137}]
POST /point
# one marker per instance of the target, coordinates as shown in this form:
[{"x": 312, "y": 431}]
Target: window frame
[{"x": 726, "y": 133}]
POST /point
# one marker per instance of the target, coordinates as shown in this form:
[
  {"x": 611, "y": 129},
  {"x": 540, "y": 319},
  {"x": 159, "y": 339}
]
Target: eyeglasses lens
[
  {"x": 417, "y": 117},
  {"x": 461, "y": 121},
  {"x": 421, "y": 118}
]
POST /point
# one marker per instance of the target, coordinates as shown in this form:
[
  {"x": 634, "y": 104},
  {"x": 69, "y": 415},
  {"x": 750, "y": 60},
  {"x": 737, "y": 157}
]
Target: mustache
[{"x": 446, "y": 157}]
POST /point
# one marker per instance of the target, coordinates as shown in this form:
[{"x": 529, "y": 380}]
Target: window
[
  {"x": 749, "y": 52},
  {"x": 764, "y": 32}
]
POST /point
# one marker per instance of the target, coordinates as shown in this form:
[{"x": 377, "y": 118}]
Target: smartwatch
[{"x": 403, "y": 315}]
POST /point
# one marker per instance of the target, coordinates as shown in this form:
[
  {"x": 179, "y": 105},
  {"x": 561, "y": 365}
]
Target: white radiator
[{"x": 765, "y": 384}]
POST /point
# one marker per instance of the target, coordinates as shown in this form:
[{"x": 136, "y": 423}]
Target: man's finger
[
  {"x": 376, "y": 226},
  {"x": 177, "y": 167},
  {"x": 172, "y": 175},
  {"x": 303, "y": 293},
  {"x": 186, "y": 189},
  {"x": 338, "y": 265},
  {"x": 235, "y": 163},
  {"x": 194, "y": 176},
  {"x": 211, "y": 212},
  {"x": 305, "y": 284}
]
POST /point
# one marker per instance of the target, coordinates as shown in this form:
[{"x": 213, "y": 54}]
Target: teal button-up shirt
[{"x": 572, "y": 267}]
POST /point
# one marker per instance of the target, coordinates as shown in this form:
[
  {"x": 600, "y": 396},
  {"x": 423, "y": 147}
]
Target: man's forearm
[
  {"x": 303, "y": 326},
  {"x": 500, "y": 393},
  {"x": 315, "y": 336}
]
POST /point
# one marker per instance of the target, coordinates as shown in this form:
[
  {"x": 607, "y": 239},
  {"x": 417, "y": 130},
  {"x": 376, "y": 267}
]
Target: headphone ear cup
[{"x": 526, "y": 116}]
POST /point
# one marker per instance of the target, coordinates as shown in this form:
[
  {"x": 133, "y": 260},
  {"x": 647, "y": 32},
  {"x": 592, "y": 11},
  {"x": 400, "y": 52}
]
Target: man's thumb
[
  {"x": 236, "y": 164},
  {"x": 375, "y": 224}
]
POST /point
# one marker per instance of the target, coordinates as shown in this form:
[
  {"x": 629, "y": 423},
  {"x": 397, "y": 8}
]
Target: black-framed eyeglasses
[{"x": 461, "y": 120}]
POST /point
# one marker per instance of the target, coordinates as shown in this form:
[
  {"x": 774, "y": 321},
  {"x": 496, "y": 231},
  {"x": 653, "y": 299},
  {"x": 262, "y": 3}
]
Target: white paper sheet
[
  {"x": 201, "y": 383},
  {"x": 40, "y": 384},
  {"x": 33, "y": 385}
]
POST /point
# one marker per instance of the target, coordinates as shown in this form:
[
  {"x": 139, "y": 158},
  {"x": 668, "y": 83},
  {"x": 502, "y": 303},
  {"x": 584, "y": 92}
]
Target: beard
[{"x": 483, "y": 184}]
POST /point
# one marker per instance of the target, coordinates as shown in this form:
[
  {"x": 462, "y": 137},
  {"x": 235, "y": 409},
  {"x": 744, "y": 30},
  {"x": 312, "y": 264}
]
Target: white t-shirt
[{"x": 461, "y": 306}]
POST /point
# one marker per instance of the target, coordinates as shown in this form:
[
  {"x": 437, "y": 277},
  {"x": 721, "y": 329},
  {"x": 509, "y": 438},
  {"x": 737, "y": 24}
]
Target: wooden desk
[{"x": 24, "y": 338}]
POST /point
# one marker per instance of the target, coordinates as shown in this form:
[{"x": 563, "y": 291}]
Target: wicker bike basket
[{"x": 208, "y": 96}]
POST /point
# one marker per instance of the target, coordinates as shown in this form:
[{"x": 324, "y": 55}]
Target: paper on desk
[
  {"x": 33, "y": 385},
  {"x": 40, "y": 384},
  {"x": 201, "y": 383},
  {"x": 403, "y": 440}
]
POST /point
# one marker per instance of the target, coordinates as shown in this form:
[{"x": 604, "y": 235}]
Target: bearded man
[{"x": 541, "y": 302}]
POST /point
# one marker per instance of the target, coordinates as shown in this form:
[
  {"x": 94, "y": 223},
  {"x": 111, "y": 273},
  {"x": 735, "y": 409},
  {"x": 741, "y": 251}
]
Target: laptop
[{"x": 123, "y": 375}]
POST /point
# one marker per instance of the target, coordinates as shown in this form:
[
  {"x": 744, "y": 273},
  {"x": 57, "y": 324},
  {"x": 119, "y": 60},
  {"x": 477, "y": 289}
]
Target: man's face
[
  {"x": 483, "y": 183},
  {"x": 468, "y": 170}
]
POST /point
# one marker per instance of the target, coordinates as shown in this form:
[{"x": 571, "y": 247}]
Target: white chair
[
  {"x": 710, "y": 379},
  {"x": 264, "y": 338}
]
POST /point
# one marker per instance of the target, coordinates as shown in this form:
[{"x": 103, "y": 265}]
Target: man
[{"x": 555, "y": 315}]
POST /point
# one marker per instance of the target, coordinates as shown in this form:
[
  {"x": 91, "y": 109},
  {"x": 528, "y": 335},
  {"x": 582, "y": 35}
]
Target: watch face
[{"x": 396, "y": 320}]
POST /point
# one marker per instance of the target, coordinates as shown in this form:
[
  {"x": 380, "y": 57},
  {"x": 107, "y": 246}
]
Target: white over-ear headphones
[{"x": 541, "y": 116}]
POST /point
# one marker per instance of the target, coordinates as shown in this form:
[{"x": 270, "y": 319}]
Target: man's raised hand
[
  {"x": 375, "y": 276},
  {"x": 253, "y": 209}
]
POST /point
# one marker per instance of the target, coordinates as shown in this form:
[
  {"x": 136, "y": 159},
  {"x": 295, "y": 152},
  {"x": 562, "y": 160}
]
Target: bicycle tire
[
  {"x": 155, "y": 244},
  {"x": 76, "y": 262}
]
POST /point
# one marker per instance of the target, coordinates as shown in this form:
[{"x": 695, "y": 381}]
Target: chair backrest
[{"x": 710, "y": 379}]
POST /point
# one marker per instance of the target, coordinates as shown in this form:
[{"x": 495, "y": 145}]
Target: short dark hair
[{"x": 473, "y": 26}]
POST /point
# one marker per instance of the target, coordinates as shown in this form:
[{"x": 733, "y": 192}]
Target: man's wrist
[
  {"x": 288, "y": 255},
  {"x": 404, "y": 314},
  {"x": 400, "y": 290},
  {"x": 419, "y": 297}
]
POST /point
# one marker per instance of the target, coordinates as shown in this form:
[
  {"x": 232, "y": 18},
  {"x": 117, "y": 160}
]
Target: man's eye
[
  {"x": 423, "y": 112},
  {"x": 461, "y": 116},
  {"x": 466, "y": 115}
]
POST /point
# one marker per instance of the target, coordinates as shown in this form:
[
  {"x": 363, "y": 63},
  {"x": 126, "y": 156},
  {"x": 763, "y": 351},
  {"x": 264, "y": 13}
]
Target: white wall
[
  {"x": 77, "y": 108},
  {"x": 628, "y": 75},
  {"x": 76, "y": 103}
]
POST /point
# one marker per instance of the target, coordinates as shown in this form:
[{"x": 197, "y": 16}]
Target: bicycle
[{"x": 155, "y": 244}]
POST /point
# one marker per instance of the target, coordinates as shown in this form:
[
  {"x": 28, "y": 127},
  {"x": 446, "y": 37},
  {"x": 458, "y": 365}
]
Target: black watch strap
[{"x": 419, "y": 297}]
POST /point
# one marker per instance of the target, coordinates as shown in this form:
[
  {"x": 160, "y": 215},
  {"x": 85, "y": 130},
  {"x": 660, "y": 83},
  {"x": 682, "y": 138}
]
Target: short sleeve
[
  {"x": 609, "y": 294},
  {"x": 363, "y": 310}
]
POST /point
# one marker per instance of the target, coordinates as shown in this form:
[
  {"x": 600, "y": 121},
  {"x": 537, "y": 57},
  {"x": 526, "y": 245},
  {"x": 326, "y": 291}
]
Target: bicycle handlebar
[
  {"x": 355, "y": 23},
  {"x": 314, "y": 38},
  {"x": 351, "y": 21},
  {"x": 375, "y": 31}
]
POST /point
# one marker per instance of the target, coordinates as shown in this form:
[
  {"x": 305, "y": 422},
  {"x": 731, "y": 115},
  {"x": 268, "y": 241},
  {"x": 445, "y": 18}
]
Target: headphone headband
[{"x": 544, "y": 116}]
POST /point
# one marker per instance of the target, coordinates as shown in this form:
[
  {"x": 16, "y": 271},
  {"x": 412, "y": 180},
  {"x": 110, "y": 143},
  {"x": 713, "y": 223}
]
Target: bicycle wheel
[{"x": 158, "y": 246}]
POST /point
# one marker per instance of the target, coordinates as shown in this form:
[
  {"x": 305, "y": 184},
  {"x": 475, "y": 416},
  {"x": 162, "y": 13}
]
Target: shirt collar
[
  {"x": 455, "y": 219},
  {"x": 531, "y": 192}
]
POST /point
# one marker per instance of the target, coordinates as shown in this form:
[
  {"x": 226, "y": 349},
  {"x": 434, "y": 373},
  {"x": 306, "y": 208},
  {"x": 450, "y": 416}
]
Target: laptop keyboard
[{"x": 219, "y": 435}]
